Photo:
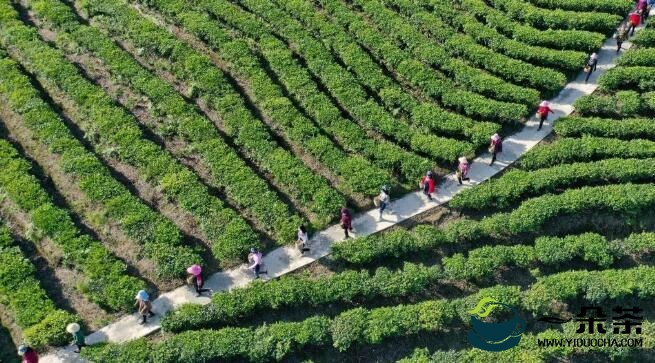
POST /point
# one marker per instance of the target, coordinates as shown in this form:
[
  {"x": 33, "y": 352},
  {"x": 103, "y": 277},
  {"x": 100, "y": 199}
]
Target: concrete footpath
[{"x": 286, "y": 259}]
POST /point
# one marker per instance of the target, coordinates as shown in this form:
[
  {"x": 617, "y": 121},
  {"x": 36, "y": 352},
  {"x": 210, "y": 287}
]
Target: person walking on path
[
  {"x": 462, "y": 170},
  {"x": 256, "y": 258},
  {"x": 495, "y": 147},
  {"x": 28, "y": 354},
  {"x": 542, "y": 113},
  {"x": 78, "y": 335},
  {"x": 195, "y": 277},
  {"x": 428, "y": 184},
  {"x": 303, "y": 239},
  {"x": 591, "y": 65},
  {"x": 642, "y": 6},
  {"x": 634, "y": 19},
  {"x": 346, "y": 221},
  {"x": 383, "y": 199},
  {"x": 621, "y": 36},
  {"x": 144, "y": 305}
]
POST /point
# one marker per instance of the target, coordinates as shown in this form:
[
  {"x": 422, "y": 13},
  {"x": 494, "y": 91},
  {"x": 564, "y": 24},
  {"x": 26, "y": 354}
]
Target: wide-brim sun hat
[
  {"x": 495, "y": 137},
  {"x": 544, "y": 104},
  {"x": 463, "y": 159},
  {"x": 142, "y": 295},
  {"x": 73, "y": 328},
  {"x": 194, "y": 269}
]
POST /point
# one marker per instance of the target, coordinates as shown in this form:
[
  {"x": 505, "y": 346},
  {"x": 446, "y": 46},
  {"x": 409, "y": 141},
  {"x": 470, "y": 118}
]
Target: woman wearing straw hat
[
  {"x": 462, "y": 170},
  {"x": 621, "y": 36},
  {"x": 28, "y": 354},
  {"x": 195, "y": 276},
  {"x": 542, "y": 113},
  {"x": 144, "y": 305},
  {"x": 495, "y": 147},
  {"x": 78, "y": 335}
]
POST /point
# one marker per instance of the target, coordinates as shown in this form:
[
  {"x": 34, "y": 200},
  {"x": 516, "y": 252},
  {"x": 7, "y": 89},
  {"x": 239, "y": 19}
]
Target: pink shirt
[
  {"x": 464, "y": 168},
  {"x": 257, "y": 259}
]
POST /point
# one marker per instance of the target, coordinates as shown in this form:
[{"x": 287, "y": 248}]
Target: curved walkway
[{"x": 286, "y": 259}]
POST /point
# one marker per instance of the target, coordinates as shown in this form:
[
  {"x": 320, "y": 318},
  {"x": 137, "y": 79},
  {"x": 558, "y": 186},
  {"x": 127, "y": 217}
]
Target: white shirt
[
  {"x": 384, "y": 197},
  {"x": 302, "y": 236}
]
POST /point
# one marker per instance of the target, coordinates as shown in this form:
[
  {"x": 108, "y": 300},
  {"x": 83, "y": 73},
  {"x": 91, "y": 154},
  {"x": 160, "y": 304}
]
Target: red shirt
[
  {"x": 346, "y": 220},
  {"x": 635, "y": 19},
  {"x": 544, "y": 110},
  {"x": 31, "y": 357},
  {"x": 430, "y": 183}
]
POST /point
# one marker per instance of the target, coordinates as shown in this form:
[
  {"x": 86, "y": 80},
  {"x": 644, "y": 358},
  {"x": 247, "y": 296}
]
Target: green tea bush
[
  {"x": 581, "y": 40},
  {"x": 645, "y": 38},
  {"x": 299, "y": 83},
  {"x": 624, "y": 77},
  {"x": 565, "y": 60},
  {"x": 618, "y": 7},
  {"x": 644, "y": 57},
  {"x": 211, "y": 84},
  {"x": 619, "y": 105},
  {"x": 516, "y": 185},
  {"x": 369, "y": 73},
  {"x": 228, "y": 170},
  {"x": 229, "y": 233},
  {"x": 559, "y": 19},
  {"x": 429, "y": 51},
  {"x": 160, "y": 238},
  {"x": 295, "y": 292},
  {"x": 106, "y": 281},
  {"x": 624, "y": 129},
  {"x": 587, "y": 148},
  {"x": 41, "y": 322}
]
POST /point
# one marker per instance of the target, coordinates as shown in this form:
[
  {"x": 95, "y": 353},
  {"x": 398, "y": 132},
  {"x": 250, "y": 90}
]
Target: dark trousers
[
  {"x": 302, "y": 247},
  {"x": 346, "y": 229},
  {"x": 425, "y": 191},
  {"x": 631, "y": 29},
  {"x": 592, "y": 68},
  {"x": 258, "y": 271},
  {"x": 541, "y": 123},
  {"x": 383, "y": 206},
  {"x": 199, "y": 288},
  {"x": 144, "y": 316},
  {"x": 493, "y": 158},
  {"x": 618, "y": 45}
]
